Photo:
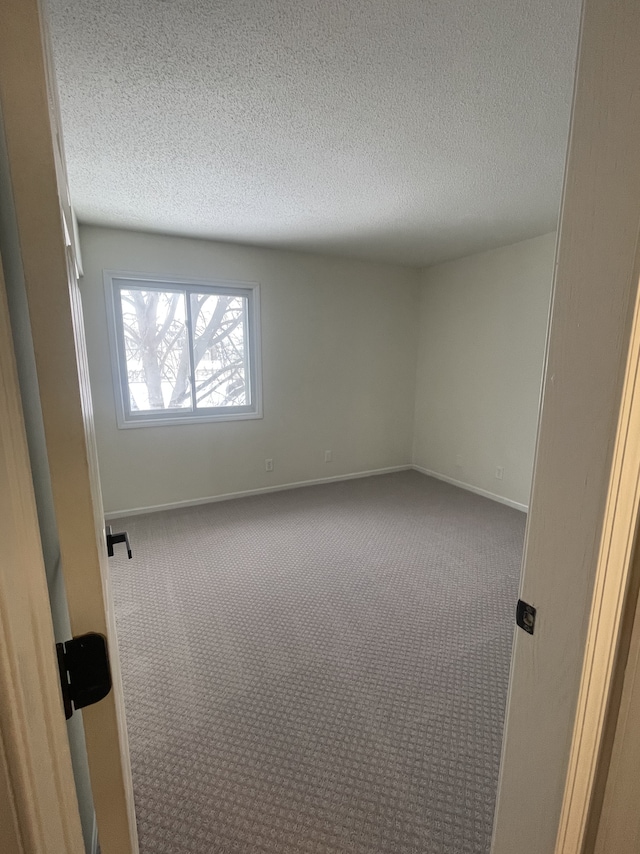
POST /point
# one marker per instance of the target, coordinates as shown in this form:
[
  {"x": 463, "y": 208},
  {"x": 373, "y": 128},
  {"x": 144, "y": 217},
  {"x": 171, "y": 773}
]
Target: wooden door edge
[
  {"x": 39, "y": 810},
  {"x": 616, "y": 826},
  {"x": 36, "y": 159},
  {"x": 606, "y": 646},
  {"x": 10, "y": 834}
]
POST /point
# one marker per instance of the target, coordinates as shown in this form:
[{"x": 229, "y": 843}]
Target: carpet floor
[{"x": 319, "y": 670}]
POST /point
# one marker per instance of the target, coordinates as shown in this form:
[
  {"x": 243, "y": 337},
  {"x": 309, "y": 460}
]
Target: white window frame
[{"x": 164, "y": 418}]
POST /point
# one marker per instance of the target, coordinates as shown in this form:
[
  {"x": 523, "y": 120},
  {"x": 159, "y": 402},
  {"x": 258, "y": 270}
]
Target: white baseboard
[
  {"x": 485, "y": 493},
  {"x": 227, "y": 496}
]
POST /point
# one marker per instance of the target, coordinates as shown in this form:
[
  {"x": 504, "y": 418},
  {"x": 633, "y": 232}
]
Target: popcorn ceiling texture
[{"x": 397, "y": 130}]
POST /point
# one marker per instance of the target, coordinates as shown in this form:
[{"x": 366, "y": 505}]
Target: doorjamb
[
  {"x": 38, "y": 802},
  {"x": 585, "y": 494},
  {"x": 604, "y": 651}
]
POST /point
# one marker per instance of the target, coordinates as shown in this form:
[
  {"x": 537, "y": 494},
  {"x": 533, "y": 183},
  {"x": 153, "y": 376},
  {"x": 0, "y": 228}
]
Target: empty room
[{"x": 315, "y": 246}]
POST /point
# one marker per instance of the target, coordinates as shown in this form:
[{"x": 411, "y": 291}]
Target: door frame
[
  {"x": 584, "y": 501},
  {"x": 614, "y": 823},
  {"x": 44, "y": 227},
  {"x": 599, "y": 220},
  {"x": 610, "y": 623},
  {"x": 38, "y": 803}
]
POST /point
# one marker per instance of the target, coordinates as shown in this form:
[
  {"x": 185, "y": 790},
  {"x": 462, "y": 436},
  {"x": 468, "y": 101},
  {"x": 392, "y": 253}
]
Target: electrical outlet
[
  {"x": 499, "y": 472},
  {"x": 268, "y": 465},
  {"x": 327, "y": 456}
]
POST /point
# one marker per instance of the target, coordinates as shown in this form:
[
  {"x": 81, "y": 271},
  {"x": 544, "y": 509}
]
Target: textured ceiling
[{"x": 398, "y": 130}]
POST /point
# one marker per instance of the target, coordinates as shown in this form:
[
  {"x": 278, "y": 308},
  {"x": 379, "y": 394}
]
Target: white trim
[
  {"x": 177, "y": 279},
  {"x": 77, "y": 254},
  {"x": 245, "y": 493},
  {"x": 255, "y": 350},
  {"x": 281, "y": 487},
  {"x": 188, "y": 419},
  {"x": 470, "y": 488}
]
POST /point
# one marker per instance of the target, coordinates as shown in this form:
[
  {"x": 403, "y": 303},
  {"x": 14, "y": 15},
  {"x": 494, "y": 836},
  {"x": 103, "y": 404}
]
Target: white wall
[
  {"x": 483, "y": 322},
  {"x": 339, "y": 345}
]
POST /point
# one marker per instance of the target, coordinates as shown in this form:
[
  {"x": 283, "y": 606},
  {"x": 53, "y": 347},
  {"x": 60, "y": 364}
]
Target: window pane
[
  {"x": 156, "y": 350},
  {"x": 219, "y": 349}
]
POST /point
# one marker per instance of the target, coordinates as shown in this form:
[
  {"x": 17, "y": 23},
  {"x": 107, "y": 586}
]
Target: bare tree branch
[{"x": 159, "y": 345}]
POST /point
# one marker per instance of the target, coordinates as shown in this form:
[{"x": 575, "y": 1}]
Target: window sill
[{"x": 188, "y": 419}]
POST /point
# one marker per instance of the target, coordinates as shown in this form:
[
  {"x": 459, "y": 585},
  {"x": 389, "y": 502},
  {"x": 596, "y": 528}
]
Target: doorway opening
[{"x": 400, "y": 400}]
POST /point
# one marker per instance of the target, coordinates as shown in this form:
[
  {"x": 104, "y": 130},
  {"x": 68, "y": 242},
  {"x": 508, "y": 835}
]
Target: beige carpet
[{"x": 319, "y": 670}]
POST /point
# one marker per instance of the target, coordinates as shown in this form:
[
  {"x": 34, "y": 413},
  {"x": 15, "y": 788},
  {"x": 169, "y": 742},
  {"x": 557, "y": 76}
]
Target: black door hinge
[
  {"x": 112, "y": 539},
  {"x": 526, "y": 616},
  {"x": 85, "y": 675}
]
